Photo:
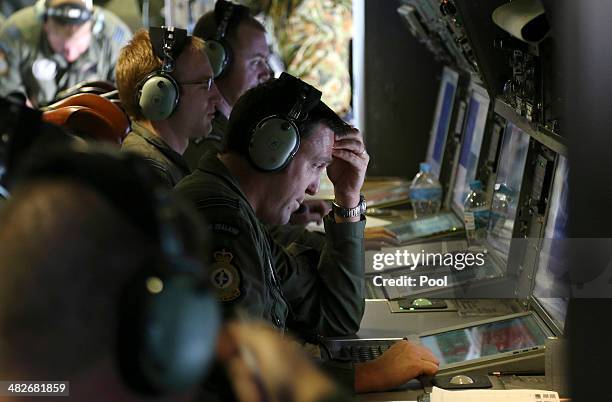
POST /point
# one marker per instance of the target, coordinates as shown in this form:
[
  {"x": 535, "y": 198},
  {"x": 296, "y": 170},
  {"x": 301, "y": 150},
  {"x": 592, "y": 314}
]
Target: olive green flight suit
[
  {"x": 214, "y": 141},
  {"x": 29, "y": 65},
  {"x": 313, "y": 293},
  {"x": 168, "y": 164}
]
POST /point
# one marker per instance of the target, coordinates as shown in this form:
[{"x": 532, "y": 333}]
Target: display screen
[
  {"x": 428, "y": 226},
  {"x": 442, "y": 119},
  {"x": 504, "y": 203},
  {"x": 552, "y": 283},
  {"x": 473, "y": 132},
  {"x": 485, "y": 340}
]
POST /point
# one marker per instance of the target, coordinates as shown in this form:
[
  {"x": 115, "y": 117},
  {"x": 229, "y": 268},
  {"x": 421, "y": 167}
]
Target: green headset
[
  {"x": 168, "y": 318},
  {"x": 276, "y": 139},
  {"x": 157, "y": 94},
  {"x": 217, "y": 48}
]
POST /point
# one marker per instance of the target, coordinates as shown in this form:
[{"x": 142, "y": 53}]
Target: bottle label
[
  {"x": 425, "y": 194},
  {"x": 468, "y": 219}
]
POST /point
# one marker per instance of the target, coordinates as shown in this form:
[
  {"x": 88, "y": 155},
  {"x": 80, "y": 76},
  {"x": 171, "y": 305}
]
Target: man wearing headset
[
  {"x": 56, "y": 44},
  {"x": 280, "y": 137},
  {"x": 88, "y": 326},
  {"x": 171, "y": 97},
  {"x": 67, "y": 251},
  {"x": 240, "y": 57}
]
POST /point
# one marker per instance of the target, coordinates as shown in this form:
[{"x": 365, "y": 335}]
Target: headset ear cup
[
  {"x": 219, "y": 56},
  {"x": 167, "y": 336},
  {"x": 273, "y": 143},
  {"x": 158, "y": 97},
  {"x": 181, "y": 334},
  {"x": 40, "y": 8}
]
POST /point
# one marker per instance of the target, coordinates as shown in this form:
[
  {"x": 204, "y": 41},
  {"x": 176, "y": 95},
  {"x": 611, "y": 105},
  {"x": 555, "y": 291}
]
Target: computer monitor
[
  {"x": 509, "y": 336},
  {"x": 551, "y": 289},
  {"x": 473, "y": 132},
  {"x": 442, "y": 119},
  {"x": 504, "y": 203},
  {"x": 417, "y": 229}
]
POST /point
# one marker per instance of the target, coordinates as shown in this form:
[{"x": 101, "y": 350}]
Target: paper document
[{"x": 493, "y": 395}]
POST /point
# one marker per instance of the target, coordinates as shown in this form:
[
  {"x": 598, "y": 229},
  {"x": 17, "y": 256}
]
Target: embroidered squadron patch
[
  {"x": 4, "y": 67},
  {"x": 225, "y": 277}
]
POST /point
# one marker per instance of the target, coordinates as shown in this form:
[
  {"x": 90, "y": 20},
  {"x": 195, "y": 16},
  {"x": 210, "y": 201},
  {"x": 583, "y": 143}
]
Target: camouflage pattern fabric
[
  {"x": 29, "y": 66},
  {"x": 313, "y": 39}
]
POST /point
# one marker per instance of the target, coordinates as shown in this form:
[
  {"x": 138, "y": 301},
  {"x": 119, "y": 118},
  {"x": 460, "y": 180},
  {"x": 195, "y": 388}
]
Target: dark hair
[
  {"x": 207, "y": 25},
  {"x": 276, "y": 97}
]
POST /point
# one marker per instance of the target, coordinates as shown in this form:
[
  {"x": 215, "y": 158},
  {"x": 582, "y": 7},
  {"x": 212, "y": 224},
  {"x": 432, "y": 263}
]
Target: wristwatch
[{"x": 360, "y": 209}]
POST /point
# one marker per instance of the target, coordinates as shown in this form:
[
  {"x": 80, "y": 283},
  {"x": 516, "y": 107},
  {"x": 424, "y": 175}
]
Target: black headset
[
  {"x": 66, "y": 13},
  {"x": 276, "y": 139},
  {"x": 157, "y": 94},
  {"x": 217, "y": 48},
  {"x": 168, "y": 318}
]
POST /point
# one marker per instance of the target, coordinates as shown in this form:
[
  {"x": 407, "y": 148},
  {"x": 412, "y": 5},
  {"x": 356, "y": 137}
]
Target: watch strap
[{"x": 344, "y": 212}]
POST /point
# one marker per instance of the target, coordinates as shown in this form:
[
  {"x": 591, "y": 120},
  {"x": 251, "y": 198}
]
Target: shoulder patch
[
  {"x": 224, "y": 227},
  {"x": 224, "y": 277},
  {"x": 119, "y": 35},
  {"x": 4, "y": 67}
]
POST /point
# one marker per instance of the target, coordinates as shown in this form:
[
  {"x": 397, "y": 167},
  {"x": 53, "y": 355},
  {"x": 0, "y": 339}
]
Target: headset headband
[
  {"x": 227, "y": 15},
  {"x": 69, "y": 13},
  {"x": 308, "y": 97},
  {"x": 296, "y": 110},
  {"x": 168, "y": 43}
]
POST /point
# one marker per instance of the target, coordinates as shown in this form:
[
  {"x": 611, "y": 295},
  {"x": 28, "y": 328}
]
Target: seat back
[{"x": 113, "y": 114}]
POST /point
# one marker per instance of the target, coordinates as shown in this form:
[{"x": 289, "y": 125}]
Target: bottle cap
[
  {"x": 475, "y": 185},
  {"x": 425, "y": 167}
]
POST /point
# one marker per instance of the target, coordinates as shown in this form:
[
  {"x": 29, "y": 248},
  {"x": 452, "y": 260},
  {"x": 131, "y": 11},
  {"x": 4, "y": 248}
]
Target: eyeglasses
[{"x": 207, "y": 83}]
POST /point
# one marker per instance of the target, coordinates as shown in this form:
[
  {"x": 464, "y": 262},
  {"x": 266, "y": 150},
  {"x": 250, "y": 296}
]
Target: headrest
[
  {"x": 102, "y": 105},
  {"x": 96, "y": 87},
  {"x": 84, "y": 122}
]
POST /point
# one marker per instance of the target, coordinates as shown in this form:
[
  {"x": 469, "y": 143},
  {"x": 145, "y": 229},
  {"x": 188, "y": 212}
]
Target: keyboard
[{"x": 359, "y": 351}]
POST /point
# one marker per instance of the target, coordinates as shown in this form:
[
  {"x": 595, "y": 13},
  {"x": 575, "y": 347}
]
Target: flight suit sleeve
[
  {"x": 117, "y": 34},
  {"x": 287, "y": 234},
  {"x": 325, "y": 290},
  {"x": 237, "y": 271},
  {"x": 124, "y": 35},
  {"x": 10, "y": 60}
]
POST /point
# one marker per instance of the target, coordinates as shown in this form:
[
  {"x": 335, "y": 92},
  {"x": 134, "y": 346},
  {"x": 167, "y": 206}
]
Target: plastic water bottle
[
  {"x": 475, "y": 213},
  {"x": 425, "y": 192}
]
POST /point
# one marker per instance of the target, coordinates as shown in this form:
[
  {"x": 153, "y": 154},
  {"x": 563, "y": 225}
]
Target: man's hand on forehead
[
  {"x": 352, "y": 142},
  {"x": 347, "y": 171}
]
